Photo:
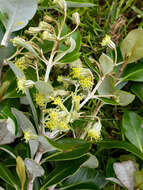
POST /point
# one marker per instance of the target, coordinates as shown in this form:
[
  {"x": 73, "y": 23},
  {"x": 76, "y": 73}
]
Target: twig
[{"x": 92, "y": 93}]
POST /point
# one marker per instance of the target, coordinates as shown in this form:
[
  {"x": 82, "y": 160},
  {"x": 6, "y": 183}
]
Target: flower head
[
  {"x": 86, "y": 82},
  {"x": 95, "y": 131},
  {"x": 20, "y": 63},
  {"x": 108, "y": 42},
  {"x": 57, "y": 121},
  {"x": 40, "y": 99},
  {"x": 29, "y": 135},
  {"x": 21, "y": 84},
  {"x": 76, "y": 72}
]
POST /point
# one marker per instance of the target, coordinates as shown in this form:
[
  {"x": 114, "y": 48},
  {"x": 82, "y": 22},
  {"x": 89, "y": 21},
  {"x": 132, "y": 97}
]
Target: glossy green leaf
[
  {"x": 74, "y": 55},
  {"x": 132, "y": 125},
  {"x": 137, "y": 89},
  {"x": 133, "y": 72},
  {"x": 121, "y": 145},
  {"x": 84, "y": 185},
  {"x": 92, "y": 162},
  {"x": 69, "y": 154},
  {"x": 89, "y": 177},
  {"x": 132, "y": 46},
  {"x": 23, "y": 121},
  {"x": 62, "y": 171},
  {"x": 67, "y": 144},
  {"x": 9, "y": 150},
  {"x": 7, "y": 176},
  {"x": 106, "y": 63}
]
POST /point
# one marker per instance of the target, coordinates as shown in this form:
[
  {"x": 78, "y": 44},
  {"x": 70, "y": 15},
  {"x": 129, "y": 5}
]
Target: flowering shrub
[{"x": 52, "y": 88}]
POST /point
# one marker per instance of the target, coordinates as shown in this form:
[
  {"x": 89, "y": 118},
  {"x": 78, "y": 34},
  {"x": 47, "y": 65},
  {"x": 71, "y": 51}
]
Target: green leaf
[
  {"x": 122, "y": 98},
  {"x": 6, "y": 136},
  {"x": 71, "y": 149},
  {"x": 125, "y": 98},
  {"x": 64, "y": 53},
  {"x": 91, "y": 178},
  {"x": 63, "y": 170},
  {"x": 44, "y": 88},
  {"x": 84, "y": 185},
  {"x": 106, "y": 87},
  {"x": 132, "y": 46},
  {"x": 67, "y": 144},
  {"x": 106, "y": 63},
  {"x": 133, "y": 72},
  {"x": 92, "y": 162},
  {"x": 71, "y": 4},
  {"x": 23, "y": 121},
  {"x": 9, "y": 150},
  {"x": 7, "y": 176},
  {"x": 137, "y": 89},
  {"x": 34, "y": 168},
  {"x": 74, "y": 55},
  {"x": 132, "y": 125},
  {"x": 107, "y": 144},
  {"x": 69, "y": 154},
  {"x": 16, "y": 14}
]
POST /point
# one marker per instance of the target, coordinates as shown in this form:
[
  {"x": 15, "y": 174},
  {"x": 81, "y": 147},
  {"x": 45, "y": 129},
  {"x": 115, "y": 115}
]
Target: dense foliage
[{"x": 71, "y": 84}]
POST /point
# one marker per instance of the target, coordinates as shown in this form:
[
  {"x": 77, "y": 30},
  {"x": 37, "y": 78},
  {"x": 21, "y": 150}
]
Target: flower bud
[
  {"x": 17, "y": 41},
  {"x": 76, "y": 18},
  {"x": 108, "y": 42},
  {"x": 48, "y": 36},
  {"x": 61, "y": 3},
  {"x": 48, "y": 18},
  {"x": 45, "y": 26}
]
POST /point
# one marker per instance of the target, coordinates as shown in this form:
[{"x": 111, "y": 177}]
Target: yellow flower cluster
[
  {"x": 21, "y": 84},
  {"x": 76, "y": 72},
  {"x": 94, "y": 134},
  {"x": 95, "y": 131},
  {"x": 20, "y": 63},
  {"x": 40, "y": 99},
  {"x": 85, "y": 78},
  {"x": 57, "y": 121},
  {"x": 29, "y": 135},
  {"x": 86, "y": 82},
  {"x": 106, "y": 40},
  {"x": 58, "y": 102}
]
